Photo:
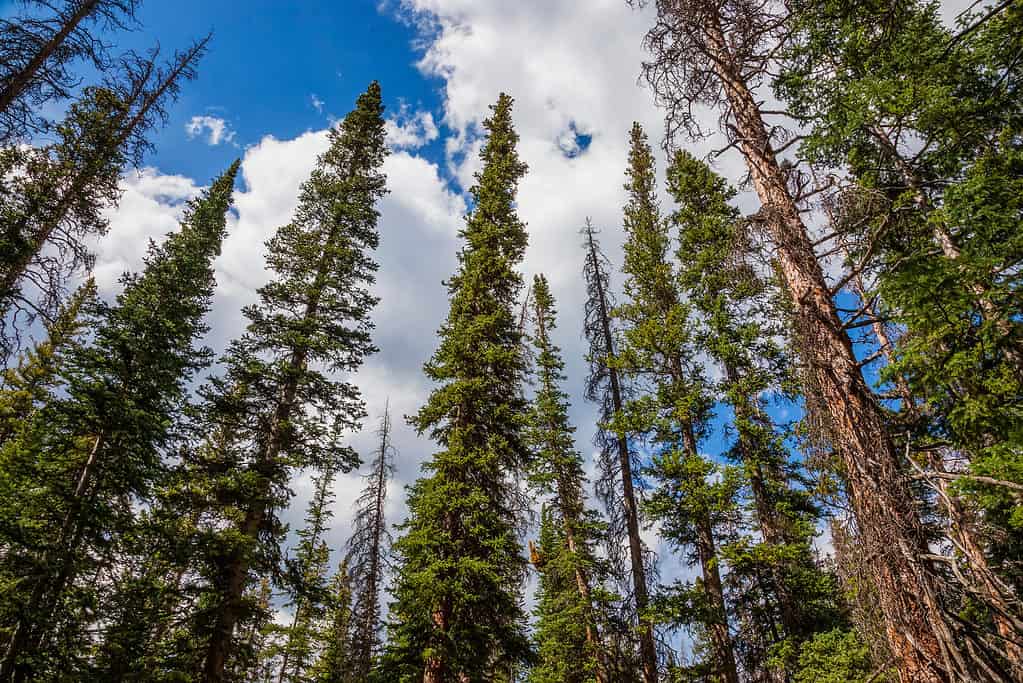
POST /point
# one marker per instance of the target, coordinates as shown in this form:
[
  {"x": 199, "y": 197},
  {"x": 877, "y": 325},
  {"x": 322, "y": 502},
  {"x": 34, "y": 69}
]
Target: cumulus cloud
[
  {"x": 407, "y": 130},
  {"x": 215, "y": 129}
]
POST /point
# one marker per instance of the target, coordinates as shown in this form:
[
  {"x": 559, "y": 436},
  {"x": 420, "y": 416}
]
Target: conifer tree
[
  {"x": 335, "y": 662},
  {"x": 38, "y": 50},
  {"x": 659, "y": 346},
  {"x": 780, "y": 591},
  {"x": 457, "y": 612},
  {"x": 56, "y": 194},
  {"x": 717, "y": 54},
  {"x": 276, "y": 400},
  {"x": 307, "y": 584},
  {"x": 97, "y": 450},
  {"x": 557, "y": 471},
  {"x": 366, "y": 556},
  {"x": 615, "y": 485}
]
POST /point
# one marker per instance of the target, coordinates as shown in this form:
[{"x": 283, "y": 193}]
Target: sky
[{"x": 278, "y": 75}]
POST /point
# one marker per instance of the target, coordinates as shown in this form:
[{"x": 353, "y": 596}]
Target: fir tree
[
  {"x": 718, "y": 54},
  {"x": 276, "y": 401},
  {"x": 660, "y": 346},
  {"x": 781, "y": 595},
  {"x": 38, "y": 49},
  {"x": 98, "y": 449},
  {"x": 336, "y": 660},
  {"x": 457, "y": 610},
  {"x": 307, "y": 584},
  {"x": 615, "y": 485},
  {"x": 367, "y": 552},
  {"x": 557, "y": 471}
]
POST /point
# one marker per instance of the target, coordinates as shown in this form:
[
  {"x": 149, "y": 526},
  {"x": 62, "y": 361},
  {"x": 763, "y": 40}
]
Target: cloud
[
  {"x": 406, "y": 130},
  {"x": 317, "y": 103},
  {"x": 217, "y": 129}
]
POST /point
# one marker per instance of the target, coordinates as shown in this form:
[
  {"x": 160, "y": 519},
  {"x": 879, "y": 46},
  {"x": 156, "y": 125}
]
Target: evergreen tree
[
  {"x": 660, "y": 347},
  {"x": 780, "y": 594},
  {"x": 557, "y": 472},
  {"x": 92, "y": 454},
  {"x": 37, "y": 50},
  {"x": 335, "y": 663},
  {"x": 718, "y": 54},
  {"x": 930, "y": 136},
  {"x": 457, "y": 610},
  {"x": 276, "y": 402},
  {"x": 307, "y": 584},
  {"x": 56, "y": 194},
  {"x": 367, "y": 554}
]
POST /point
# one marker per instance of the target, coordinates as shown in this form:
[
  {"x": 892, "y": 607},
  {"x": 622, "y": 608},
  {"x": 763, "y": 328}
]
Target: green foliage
[
  {"x": 457, "y": 604},
  {"x": 836, "y": 656}
]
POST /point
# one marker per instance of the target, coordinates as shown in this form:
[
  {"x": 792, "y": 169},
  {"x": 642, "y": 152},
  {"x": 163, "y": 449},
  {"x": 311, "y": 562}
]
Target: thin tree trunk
[
  {"x": 23, "y": 79},
  {"x": 920, "y": 636},
  {"x": 648, "y": 652}
]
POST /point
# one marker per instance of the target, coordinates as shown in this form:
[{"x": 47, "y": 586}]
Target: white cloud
[
  {"x": 317, "y": 103},
  {"x": 406, "y": 130},
  {"x": 217, "y": 130}
]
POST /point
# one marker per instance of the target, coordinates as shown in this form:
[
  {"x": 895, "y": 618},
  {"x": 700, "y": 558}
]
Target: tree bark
[
  {"x": 921, "y": 640},
  {"x": 648, "y": 652}
]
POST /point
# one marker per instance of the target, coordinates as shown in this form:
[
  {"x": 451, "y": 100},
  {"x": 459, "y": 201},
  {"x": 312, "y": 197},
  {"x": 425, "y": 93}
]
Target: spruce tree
[
  {"x": 557, "y": 472},
  {"x": 335, "y": 662},
  {"x": 38, "y": 50},
  {"x": 457, "y": 612},
  {"x": 276, "y": 400},
  {"x": 660, "y": 347},
  {"x": 718, "y": 54},
  {"x": 779, "y": 592},
  {"x": 615, "y": 486},
  {"x": 98, "y": 449},
  {"x": 367, "y": 551}
]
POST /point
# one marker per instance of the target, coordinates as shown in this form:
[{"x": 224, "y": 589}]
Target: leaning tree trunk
[
  {"x": 921, "y": 639},
  {"x": 648, "y": 652},
  {"x": 20, "y": 81}
]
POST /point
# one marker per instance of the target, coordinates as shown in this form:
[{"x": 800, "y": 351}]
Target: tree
[
  {"x": 659, "y": 346},
  {"x": 56, "y": 194},
  {"x": 780, "y": 594},
  {"x": 457, "y": 611},
  {"x": 335, "y": 661},
  {"x": 367, "y": 551},
  {"x": 280, "y": 408},
  {"x": 38, "y": 49},
  {"x": 717, "y": 54},
  {"x": 557, "y": 471},
  {"x": 307, "y": 584},
  {"x": 615, "y": 486},
  {"x": 97, "y": 449}
]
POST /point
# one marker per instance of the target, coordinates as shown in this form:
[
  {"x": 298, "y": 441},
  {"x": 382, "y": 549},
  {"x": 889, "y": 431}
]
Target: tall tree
[
  {"x": 57, "y": 193},
  {"x": 307, "y": 584},
  {"x": 457, "y": 612},
  {"x": 39, "y": 48},
  {"x": 557, "y": 471},
  {"x": 97, "y": 451},
  {"x": 366, "y": 556},
  {"x": 717, "y": 54},
  {"x": 277, "y": 402},
  {"x": 928, "y": 127},
  {"x": 781, "y": 593},
  {"x": 335, "y": 663},
  {"x": 659, "y": 347},
  {"x": 615, "y": 486}
]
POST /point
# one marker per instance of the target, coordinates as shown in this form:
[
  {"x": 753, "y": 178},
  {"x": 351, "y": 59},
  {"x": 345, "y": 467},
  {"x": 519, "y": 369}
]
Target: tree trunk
[
  {"x": 920, "y": 638},
  {"x": 20, "y": 81},
  {"x": 648, "y": 652}
]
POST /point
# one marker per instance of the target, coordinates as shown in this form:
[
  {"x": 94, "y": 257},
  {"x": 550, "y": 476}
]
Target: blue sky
[
  {"x": 276, "y": 68},
  {"x": 574, "y": 75}
]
